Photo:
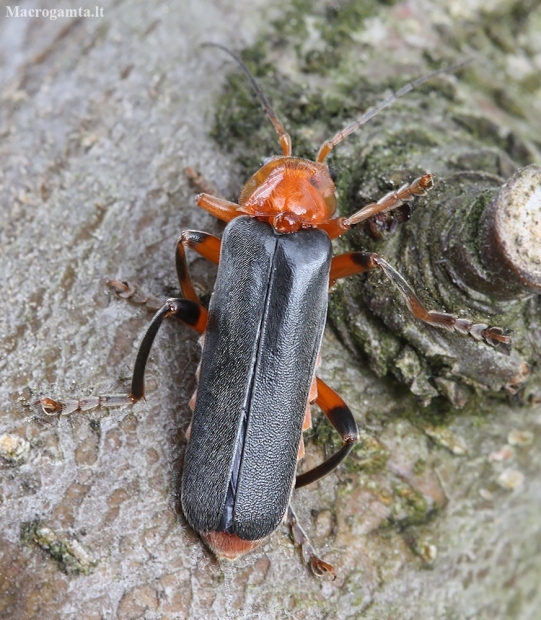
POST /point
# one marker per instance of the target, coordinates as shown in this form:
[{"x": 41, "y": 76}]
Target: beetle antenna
[
  {"x": 328, "y": 145},
  {"x": 285, "y": 139}
]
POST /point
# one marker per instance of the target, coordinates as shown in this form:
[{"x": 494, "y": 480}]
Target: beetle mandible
[{"x": 261, "y": 338}]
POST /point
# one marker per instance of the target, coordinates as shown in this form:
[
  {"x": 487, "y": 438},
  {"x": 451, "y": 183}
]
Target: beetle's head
[{"x": 292, "y": 193}]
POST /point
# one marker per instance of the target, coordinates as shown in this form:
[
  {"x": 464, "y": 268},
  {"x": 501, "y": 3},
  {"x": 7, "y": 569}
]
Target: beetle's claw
[
  {"x": 497, "y": 337},
  {"x": 321, "y": 568},
  {"x": 122, "y": 289},
  {"x": 50, "y": 406}
]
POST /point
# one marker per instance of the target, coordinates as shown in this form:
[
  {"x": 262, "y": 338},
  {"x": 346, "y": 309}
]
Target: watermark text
[{"x": 18, "y": 11}]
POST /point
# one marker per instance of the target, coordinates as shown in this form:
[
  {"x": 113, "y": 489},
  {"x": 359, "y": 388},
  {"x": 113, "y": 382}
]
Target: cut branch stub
[
  {"x": 510, "y": 235},
  {"x": 494, "y": 247},
  {"x": 448, "y": 255}
]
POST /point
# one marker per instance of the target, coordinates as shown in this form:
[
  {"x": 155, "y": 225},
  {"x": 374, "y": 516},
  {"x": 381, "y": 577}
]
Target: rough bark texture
[{"x": 436, "y": 515}]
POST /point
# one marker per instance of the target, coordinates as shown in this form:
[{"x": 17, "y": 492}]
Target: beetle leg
[
  {"x": 318, "y": 566},
  {"x": 204, "y": 244},
  {"x": 219, "y": 207},
  {"x": 188, "y": 312},
  {"x": 351, "y": 263},
  {"x": 394, "y": 199},
  {"x": 408, "y": 192},
  {"x": 493, "y": 336},
  {"x": 340, "y": 416},
  {"x": 357, "y": 262}
]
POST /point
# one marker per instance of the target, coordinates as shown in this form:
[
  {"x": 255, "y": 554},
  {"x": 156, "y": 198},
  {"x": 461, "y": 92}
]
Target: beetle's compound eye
[{"x": 332, "y": 174}]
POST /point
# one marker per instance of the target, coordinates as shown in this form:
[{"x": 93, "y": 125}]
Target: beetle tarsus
[
  {"x": 318, "y": 566},
  {"x": 127, "y": 290},
  {"x": 55, "y": 407}
]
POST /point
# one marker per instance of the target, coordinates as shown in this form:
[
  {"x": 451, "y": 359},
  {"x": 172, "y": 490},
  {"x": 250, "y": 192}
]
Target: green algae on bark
[{"x": 71, "y": 556}]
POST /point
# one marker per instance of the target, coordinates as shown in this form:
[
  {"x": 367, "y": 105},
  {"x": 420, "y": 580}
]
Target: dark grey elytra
[{"x": 264, "y": 331}]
